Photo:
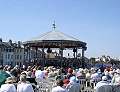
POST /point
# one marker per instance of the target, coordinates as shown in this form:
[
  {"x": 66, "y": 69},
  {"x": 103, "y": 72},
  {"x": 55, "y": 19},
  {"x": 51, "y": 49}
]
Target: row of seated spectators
[{"x": 66, "y": 80}]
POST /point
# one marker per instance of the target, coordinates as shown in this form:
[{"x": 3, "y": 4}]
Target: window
[
  {"x": 14, "y": 50},
  {"x": 8, "y": 56},
  {"x": 6, "y": 49},
  {"x": 2, "y": 55},
  {"x": 20, "y": 50},
  {"x": 17, "y": 56},
  {"x": 17, "y": 50},
  {"x": 10, "y": 50},
  {"x": 3, "y": 49},
  {"x": 11, "y": 56},
  {"x": 20, "y": 57}
]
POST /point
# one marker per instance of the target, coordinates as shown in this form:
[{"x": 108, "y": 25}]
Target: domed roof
[
  {"x": 54, "y": 39},
  {"x": 54, "y": 35}
]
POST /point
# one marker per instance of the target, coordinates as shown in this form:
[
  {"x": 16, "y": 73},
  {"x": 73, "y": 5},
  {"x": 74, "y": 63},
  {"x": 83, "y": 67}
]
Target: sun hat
[
  {"x": 118, "y": 71},
  {"x": 9, "y": 80},
  {"x": 106, "y": 73},
  {"x": 72, "y": 79},
  {"x": 104, "y": 78}
]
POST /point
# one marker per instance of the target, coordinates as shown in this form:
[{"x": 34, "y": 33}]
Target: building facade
[{"x": 11, "y": 53}]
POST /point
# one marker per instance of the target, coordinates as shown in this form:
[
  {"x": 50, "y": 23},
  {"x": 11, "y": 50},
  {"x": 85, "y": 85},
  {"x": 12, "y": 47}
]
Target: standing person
[
  {"x": 59, "y": 75},
  {"x": 104, "y": 81},
  {"x": 39, "y": 74},
  {"x": 116, "y": 77},
  {"x": 23, "y": 86},
  {"x": 8, "y": 70},
  {"x": 70, "y": 73},
  {"x": 73, "y": 86},
  {"x": 59, "y": 87},
  {"x": 9, "y": 86},
  {"x": 116, "y": 87}
]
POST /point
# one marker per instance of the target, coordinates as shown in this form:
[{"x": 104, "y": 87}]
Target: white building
[{"x": 11, "y": 53}]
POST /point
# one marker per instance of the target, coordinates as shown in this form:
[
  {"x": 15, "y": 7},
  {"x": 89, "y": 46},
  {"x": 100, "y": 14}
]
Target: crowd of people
[{"x": 20, "y": 79}]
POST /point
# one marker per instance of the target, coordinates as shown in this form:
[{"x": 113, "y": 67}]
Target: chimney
[
  {"x": 0, "y": 39},
  {"x": 10, "y": 41},
  {"x": 19, "y": 44}
]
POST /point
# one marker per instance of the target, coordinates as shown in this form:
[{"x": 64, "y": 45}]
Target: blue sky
[{"x": 96, "y": 22}]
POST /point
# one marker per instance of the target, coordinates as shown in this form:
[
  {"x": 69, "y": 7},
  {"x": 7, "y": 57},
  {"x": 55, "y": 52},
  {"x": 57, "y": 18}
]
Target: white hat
[
  {"x": 106, "y": 73},
  {"x": 9, "y": 80},
  {"x": 99, "y": 71},
  {"x": 118, "y": 71},
  {"x": 104, "y": 78},
  {"x": 118, "y": 80},
  {"x": 73, "y": 79},
  {"x": 80, "y": 69},
  {"x": 23, "y": 66}
]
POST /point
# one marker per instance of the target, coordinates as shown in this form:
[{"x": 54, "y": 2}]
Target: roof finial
[{"x": 54, "y": 25}]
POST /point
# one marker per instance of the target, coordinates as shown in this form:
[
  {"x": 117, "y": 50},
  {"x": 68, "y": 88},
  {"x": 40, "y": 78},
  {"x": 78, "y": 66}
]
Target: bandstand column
[
  {"x": 83, "y": 61},
  {"x": 24, "y": 55},
  {"x": 61, "y": 53},
  {"x": 76, "y": 52},
  {"x": 43, "y": 56},
  {"x": 28, "y": 55},
  {"x": 36, "y": 54}
]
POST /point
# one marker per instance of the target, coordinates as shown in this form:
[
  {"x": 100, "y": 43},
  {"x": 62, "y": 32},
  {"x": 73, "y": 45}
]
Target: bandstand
[{"x": 59, "y": 41}]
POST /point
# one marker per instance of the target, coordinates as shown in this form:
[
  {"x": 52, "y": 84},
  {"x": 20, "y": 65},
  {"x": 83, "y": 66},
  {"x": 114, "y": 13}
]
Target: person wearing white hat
[
  {"x": 9, "y": 86},
  {"x": 117, "y": 86},
  {"x": 23, "y": 86},
  {"x": 73, "y": 86},
  {"x": 116, "y": 77},
  {"x": 108, "y": 75},
  {"x": 40, "y": 74},
  {"x": 104, "y": 81}
]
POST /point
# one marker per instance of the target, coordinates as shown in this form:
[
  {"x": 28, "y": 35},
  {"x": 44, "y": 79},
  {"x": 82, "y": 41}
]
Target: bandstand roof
[
  {"x": 54, "y": 39},
  {"x": 54, "y": 35}
]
